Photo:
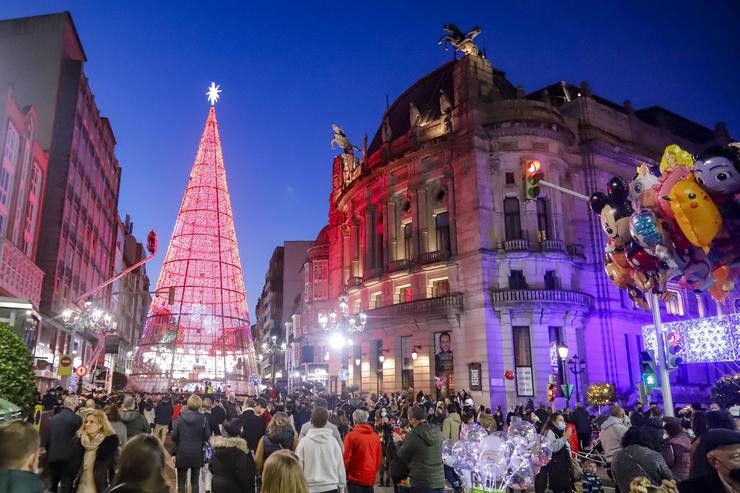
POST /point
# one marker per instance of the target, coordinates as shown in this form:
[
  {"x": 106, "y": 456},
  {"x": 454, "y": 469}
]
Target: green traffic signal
[{"x": 647, "y": 365}]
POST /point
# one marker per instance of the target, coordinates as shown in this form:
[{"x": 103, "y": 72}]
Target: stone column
[
  {"x": 392, "y": 230},
  {"x": 452, "y": 213}
]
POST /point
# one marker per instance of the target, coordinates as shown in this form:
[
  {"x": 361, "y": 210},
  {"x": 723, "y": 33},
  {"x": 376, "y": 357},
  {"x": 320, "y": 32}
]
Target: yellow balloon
[{"x": 696, "y": 214}]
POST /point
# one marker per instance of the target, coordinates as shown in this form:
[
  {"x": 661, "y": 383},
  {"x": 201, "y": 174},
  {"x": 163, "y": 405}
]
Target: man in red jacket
[{"x": 361, "y": 455}]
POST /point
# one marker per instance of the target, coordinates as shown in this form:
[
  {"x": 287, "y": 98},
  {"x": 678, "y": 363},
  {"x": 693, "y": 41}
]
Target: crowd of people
[{"x": 311, "y": 443}]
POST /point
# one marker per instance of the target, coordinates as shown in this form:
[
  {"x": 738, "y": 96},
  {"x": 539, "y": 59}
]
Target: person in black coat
[
  {"x": 94, "y": 452},
  {"x": 232, "y": 466},
  {"x": 653, "y": 428},
  {"x": 163, "y": 416},
  {"x": 253, "y": 426},
  {"x": 582, "y": 421},
  {"x": 190, "y": 431},
  {"x": 218, "y": 417},
  {"x": 59, "y": 434}
]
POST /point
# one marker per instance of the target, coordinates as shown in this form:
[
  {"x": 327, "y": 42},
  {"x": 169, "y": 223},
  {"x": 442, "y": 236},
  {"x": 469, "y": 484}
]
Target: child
[{"x": 591, "y": 482}]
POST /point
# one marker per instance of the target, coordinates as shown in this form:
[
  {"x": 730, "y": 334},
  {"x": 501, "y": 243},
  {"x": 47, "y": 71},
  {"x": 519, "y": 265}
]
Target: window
[
  {"x": 543, "y": 221},
  {"x": 522, "y": 346},
  {"x": 36, "y": 180},
  {"x": 673, "y": 302},
  {"x": 320, "y": 280},
  {"x": 551, "y": 280},
  {"x": 439, "y": 287},
  {"x": 509, "y": 178},
  {"x": 403, "y": 294},
  {"x": 517, "y": 280},
  {"x": 407, "y": 238},
  {"x": 12, "y": 144},
  {"x": 512, "y": 221},
  {"x": 442, "y": 222},
  {"x": 376, "y": 300},
  {"x": 5, "y": 185}
]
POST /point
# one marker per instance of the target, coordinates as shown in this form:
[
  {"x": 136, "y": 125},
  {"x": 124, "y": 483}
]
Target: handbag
[{"x": 207, "y": 447}]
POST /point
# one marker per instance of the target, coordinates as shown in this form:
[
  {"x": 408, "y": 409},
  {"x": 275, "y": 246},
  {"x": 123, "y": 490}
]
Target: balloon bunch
[
  {"x": 681, "y": 224},
  {"x": 500, "y": 460}
]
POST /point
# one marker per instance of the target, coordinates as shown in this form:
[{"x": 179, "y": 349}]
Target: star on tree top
[{"x": 213, "y": 93}]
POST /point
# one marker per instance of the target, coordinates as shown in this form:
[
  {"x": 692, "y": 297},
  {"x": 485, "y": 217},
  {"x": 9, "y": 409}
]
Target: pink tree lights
[{"x": 197, "y": 329}]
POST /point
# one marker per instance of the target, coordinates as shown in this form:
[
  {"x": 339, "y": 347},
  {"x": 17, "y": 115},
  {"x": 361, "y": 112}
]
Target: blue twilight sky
[{"x": 289, "y": 70}]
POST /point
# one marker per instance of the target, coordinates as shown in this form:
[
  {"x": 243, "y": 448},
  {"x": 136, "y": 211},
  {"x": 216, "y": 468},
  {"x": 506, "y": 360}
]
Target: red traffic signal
[
  {"x": 532, "y": 176},
  {"x": 550, "y": 392},
  {"x": 532, "y": 166}
]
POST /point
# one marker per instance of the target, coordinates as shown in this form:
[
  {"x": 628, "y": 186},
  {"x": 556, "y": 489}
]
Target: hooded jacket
[
  {"x": 163, "y": 412},
  {"x": 677, "y": 454},
  {"x": 135, "y": 423},
  {"x": 189, "y": 432},
  {"x": 653, "y": 428},
  {"x": 636, "y": 460},
  {"x": 16, "y": 481},
  {"x": 612, "y": 431},
  {"x": 232, "y": 466},
  {"x": 321, "y": 459},
  {"x": 451, "y": 427},
  {"x": 362, "y": 455},
  {"x": 422, "y": 451},
  {"x": 285, "y": 439}
]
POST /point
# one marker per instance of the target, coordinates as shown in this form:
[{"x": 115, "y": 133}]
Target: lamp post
[
  {"x": 343, "y": 321},
  {"x": 563, "y": 355},
  {"x": 90, "y": 319},
  {"x": 272, "y": 350},
  {"x": 577, "y": 366}
]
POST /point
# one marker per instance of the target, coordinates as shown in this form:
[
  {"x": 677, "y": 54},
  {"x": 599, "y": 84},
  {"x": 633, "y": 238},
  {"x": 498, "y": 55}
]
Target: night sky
[{"x": 289, "y": 70}]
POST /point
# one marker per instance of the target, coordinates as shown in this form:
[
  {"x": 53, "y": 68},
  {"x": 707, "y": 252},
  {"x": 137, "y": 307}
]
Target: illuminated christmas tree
[{"x": 197, "y": 329}]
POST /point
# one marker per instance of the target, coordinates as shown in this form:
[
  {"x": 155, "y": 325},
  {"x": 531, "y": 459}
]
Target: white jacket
[
  {"x": 322, "y": 461},
  {"x": 612, "y": 431}
]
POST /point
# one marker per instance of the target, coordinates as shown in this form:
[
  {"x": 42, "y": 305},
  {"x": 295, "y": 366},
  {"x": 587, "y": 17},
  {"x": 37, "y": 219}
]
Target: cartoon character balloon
[
  {"x": 642, "y": 188},
  {"x": 675, "y": 165},
  {"x": 696, "y": 213},
  {"x": 717, "y": 170},
  {"x": 614, "y": 210}
]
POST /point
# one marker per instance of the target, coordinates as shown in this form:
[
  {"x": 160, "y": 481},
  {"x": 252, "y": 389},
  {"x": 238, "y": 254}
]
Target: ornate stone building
[{"x": 460, "y": 277}]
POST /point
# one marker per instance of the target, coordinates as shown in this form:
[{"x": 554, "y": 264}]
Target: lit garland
[
  {"x": 706, "y": 340},
  {"x": 726, "y": 390},
  {"x": 601, "y": 394}
]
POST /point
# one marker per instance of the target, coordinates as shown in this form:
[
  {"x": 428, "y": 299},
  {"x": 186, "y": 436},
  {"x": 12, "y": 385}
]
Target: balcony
[
  {"x": 434, "y": 257},
  {"x": 577, "y": 252},
  {"x": 518, "y": 296},
  {"x": 373, "y": 273},
  {"x": 440, "y": 303},
  {"x": 396, "y": 265},
  {"x": 552, "y": 246},
  {"x": 19, "y": 276},
  {"x": 516, "y": 245},
  {"x": 354, "y": 282}
]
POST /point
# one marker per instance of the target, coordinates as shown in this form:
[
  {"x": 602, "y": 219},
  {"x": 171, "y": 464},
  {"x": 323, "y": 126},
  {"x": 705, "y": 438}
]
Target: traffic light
[
  {"x": 673, "y": 350},
  {"x": 648, "y": 369},
  {"x": 550, "y": 392},
  {"x": 532, "y": 176}
]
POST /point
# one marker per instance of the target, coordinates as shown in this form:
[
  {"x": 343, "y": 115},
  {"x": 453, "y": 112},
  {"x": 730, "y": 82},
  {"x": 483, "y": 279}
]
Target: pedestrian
[
  {"x": 716, "y": 420},
  {"x": 452, "y": 423},
  {"x": 253, "y": 427},
  {"x": 362, "y": 454},
  {"x": 279, "y": 435},
  {"x": 722, "y": 458},
  {"x": 61, "y": 432},
  {"x": 189, "y": 432},
  {"x": 653, "y": 427},
  {"x": 421, "y": 450},
  {"x": 232, "y": 467},
  {"x": 283, "y": 474},
  {"x": 119, "y": 427},
  {"x": 218, "y": 417},
  {"x": 582, "y": 420},
  {"x": 133, "y": 419},
  {"x": 676, "y": 449},
  {"x": 321, "y": 403},
  {"x": 556, "y": 475},
  {"x": 141, "y": 467},
  {"x": 88, "y": 406},
  {"x": 260, "y": 409},
  {"x": 94, "y": 452},
  {"x": 163, "y": 417},
  {"x": 637, "y": 458},
  {"x": 321, "y": 457},
  {"x": 612, "y": 431},
  {"x": 19, "y": 453}
]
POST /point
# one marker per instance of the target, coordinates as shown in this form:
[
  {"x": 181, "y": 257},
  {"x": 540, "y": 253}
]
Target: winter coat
[
  {"x": 189, "y": 432},
  {"x": 612, "y": 431},
  {"x": 573, "y": 440},
  {"x": 135, "y": 423},
  {"x": 653, "y": 429},
  {"x": 120, "y": 428},
  {"x": 362, "y": 455},
  {"x": 702, "y": 484},
  {"x": 253, "y": 428},
  {"x": 105, "y": 462},
  {"x": 286, "y": 439},
  {"x": 636, "y": 460},
  {"x": 329, "y": 425},
  {"x": 558, "y": 471},
  {"x": 61, "y": 431},
  {"x": 422, "y": 451},
  {"x": 677, "y": 454},
  {"x": 232, "y": 466},
  {"x": 582, "y": 420},
  {"x": 16, "y": 481},
  {"x": 321, "y": 459},
  {"x": 216, "y": 418},
  {"x": 451, "y": 427},
  {"x": 163, "y": 412}
]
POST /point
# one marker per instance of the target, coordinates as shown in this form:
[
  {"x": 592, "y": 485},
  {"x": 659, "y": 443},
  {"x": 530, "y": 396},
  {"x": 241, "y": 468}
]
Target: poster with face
[{"x": 444, "y": 361}]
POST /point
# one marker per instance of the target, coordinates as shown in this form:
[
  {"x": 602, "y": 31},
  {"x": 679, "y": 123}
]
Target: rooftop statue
[
  {"x": 462, "y": 42},
  {"x": 349, "y": 161}
]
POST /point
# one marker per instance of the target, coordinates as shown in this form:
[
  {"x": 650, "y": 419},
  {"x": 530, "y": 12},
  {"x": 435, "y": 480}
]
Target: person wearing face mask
[
  {"x": 723, "y": 460},
  {"x": 556, "y": 474},
  {"x": 19, "y": 450}
]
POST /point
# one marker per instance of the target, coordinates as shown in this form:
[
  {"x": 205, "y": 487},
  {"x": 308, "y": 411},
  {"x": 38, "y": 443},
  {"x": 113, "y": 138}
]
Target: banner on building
[{"x": 444, "y": 361}]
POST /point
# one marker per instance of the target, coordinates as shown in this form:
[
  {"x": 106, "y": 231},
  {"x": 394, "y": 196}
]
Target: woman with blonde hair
[
  {"x": 283, "y": 474},
  {"x": 279, "y": 435},
  {"x": 94, "y": 454}
]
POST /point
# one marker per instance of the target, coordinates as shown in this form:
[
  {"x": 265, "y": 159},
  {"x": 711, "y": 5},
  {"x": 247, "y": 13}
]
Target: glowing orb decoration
[{"x": 706, "y": 340}]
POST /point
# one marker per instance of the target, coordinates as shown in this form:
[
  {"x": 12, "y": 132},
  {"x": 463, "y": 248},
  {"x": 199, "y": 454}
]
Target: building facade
[{"x": 462, "y": 280}]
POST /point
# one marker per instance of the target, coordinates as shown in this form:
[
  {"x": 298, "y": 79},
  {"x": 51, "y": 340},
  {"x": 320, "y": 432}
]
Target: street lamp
[
  {"x": 415, "y": 352},
  {"x": 342, "y": 320},
  {"x": 90, "y": 319},
  {"x": 577, "y": 366},
  {"x": 563, "y": 354},
  {"x": 272, "y": 349}
]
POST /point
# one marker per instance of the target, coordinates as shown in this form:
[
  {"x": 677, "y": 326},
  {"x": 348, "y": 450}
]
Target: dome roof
[{"x": 323, "y": 237}]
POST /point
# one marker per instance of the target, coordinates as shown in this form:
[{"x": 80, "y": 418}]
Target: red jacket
[
  {"x": 573, "y": 438},
  {"x": 362, "y": 455}
]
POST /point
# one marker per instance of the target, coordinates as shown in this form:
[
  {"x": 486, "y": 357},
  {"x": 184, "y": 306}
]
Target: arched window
[
  {"x": 512, "y": 220},
  {"x": 543, "y": 220}
]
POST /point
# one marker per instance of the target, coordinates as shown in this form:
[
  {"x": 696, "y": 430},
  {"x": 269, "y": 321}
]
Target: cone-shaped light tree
[{"x": 197, "y": 329}]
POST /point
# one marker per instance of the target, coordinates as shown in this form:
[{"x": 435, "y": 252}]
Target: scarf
[{"x": 91, "y": 443}]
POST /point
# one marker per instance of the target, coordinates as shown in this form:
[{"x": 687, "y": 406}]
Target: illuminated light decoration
[
  {"x": 204, "y": 334},
  {"x": 601, "y": 394},
  {"x": 214, "y": 92},
  {"x": 706, "y": 340}
]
